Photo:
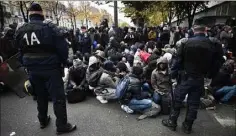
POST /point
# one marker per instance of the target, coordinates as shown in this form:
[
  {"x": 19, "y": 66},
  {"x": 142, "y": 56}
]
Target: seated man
[
  {"x": 133, "y": 99},
  {"x": 76, "y": 74},
  {"x": 95, "y": 63},
  {"x": 160, "y": 78},
  {"x": 122, "y": 70},
  {"x": 106, "y": 86},
  {"x": 227, "y": 92},
  {"x": 223, "y": 78}
]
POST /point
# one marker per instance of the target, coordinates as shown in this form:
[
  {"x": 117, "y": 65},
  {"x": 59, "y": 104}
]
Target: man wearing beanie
[
  {"x": 43, "y": 52},
  {"x": 199, "y": 57}
]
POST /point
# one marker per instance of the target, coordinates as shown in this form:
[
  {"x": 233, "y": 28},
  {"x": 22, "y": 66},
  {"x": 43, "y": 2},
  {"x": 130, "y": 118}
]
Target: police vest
[
  {"x": 199, "y": 56},
  {"x": 36, "y": 38}
]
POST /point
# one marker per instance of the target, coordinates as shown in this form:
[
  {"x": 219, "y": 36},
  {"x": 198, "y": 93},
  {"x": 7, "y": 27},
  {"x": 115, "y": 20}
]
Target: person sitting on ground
[
  {"x": 160, "y": 78},
  {"x": 76, "y": 75},
  {"x": 223, "y": 78},
  {"x": 107, "y": 83},
  {"x": 134, "y": 99},
  {"x": 93, "y": 65},
  {"x": 141, "y": 56},
  {"x": 226, "y": 93},
  {"x": 224, "y": 86},
  {"x": 122, "y": 70},
  {"x": 156, "y": 54}
]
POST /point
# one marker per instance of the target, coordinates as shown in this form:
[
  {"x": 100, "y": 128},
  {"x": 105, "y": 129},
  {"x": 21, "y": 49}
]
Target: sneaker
[
  {"x": 127, "y": 109},
  {"x": 101, "y": 99}
]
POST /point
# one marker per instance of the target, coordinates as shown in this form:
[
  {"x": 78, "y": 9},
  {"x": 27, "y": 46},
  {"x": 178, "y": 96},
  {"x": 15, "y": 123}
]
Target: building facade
[
  {"x": 12, "y": 14},
  {"x": 220, "y": 12}
]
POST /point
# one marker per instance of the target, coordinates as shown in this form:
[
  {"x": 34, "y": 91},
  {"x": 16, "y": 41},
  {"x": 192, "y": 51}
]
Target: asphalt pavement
[{"x": 19, "y": 116}]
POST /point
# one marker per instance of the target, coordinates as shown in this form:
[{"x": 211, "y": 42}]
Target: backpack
[
  {"x": 165, "y": 104},
  {"x": 122, "y": 87},
  {"x": 94, "y": 78},
  {"x": 76, "y": 95}
]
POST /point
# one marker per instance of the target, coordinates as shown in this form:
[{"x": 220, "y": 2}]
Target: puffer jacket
[
  {"x": 134, "y": 87},
  {"x": 161, "y": 81}
]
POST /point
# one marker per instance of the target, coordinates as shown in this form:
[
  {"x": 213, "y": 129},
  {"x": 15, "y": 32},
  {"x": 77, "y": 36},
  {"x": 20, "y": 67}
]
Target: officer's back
[
  {"x": 43, "y": 50},
  {"x": 41, "y": 45},
  {"x": 198, "y": 54}
]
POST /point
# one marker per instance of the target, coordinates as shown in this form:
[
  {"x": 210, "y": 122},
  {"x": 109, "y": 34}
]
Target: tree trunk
[
  {"x": 190, "y": 21},
  {"x": 74, "y": 22},
  {"x": 86, "y": 19},
  {"x": 2, "y": 16},
  {"x": 170, "y": 13},
  {"x": 191, "y": 16},
  {"x": 115, "y": 14},
  {"x": 27, "y": 11},
  {"x": 22, "y": 11}
]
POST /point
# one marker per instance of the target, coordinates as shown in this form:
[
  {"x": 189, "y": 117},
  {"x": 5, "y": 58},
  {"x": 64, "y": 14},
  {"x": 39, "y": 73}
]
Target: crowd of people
[
  {"x": 135, "y": 66},
  {"x": 147, "y": 50}
]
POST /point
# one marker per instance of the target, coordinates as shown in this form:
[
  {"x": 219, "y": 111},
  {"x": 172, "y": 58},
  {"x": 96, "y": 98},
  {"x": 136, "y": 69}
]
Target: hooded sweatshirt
[{"x": 160, "y": 80}]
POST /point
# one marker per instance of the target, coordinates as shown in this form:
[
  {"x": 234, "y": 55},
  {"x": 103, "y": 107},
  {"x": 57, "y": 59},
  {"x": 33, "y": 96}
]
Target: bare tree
[
  {"x": 24, "y": 8},
  {"x": 84, "y": 9},
  {"x": 55, "y": 7},
  {"x": 72, "y": 12}
]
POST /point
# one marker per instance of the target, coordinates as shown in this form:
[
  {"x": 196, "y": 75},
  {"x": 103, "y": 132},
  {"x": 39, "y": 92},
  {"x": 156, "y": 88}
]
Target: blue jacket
[{"x": 41, "y": 45}]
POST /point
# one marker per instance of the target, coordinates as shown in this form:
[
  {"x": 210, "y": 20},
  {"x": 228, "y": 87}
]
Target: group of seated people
[{"x": 148, "y": 68}]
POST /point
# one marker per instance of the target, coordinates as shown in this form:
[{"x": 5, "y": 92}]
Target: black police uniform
[
  {"x": 196, "y": 57},
  {"x": 43, "y": 51}
]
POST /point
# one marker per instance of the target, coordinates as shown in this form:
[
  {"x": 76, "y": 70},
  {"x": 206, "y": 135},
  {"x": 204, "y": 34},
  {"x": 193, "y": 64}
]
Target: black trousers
[
  {"x": 192, "y": 86},
  {"x": 47, "y": 82}
]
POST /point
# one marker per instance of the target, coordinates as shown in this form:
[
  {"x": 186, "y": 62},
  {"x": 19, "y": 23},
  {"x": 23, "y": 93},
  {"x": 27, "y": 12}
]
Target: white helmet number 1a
[{"x": 33, "y": 39}]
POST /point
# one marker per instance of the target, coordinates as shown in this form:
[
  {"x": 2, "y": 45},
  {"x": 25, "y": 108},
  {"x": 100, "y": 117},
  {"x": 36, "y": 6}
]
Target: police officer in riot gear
[
  {"x": 44, "y": 51},
  {"x": 198, "y": 57}
]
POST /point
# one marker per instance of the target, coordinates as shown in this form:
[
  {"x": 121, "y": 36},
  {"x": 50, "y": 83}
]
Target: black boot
[
  {"x": 170, "y": 124},
  {"x": 66, "y": 129},
  {"x": 61, "y": 121},
  {"x": 45, "y": 123},
  {"x": 187, "y": 126}
]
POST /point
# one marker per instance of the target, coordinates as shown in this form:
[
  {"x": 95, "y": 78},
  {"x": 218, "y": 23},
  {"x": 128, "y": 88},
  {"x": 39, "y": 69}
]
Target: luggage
[
  {"x": 76, "y": 95},
  {"x": 165, "y": 104}
]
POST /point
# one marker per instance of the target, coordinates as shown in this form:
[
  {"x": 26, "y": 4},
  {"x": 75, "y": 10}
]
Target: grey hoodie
[{"x": 160, "y": 80}]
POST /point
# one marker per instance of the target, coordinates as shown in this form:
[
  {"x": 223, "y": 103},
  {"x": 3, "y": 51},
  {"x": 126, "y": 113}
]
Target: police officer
[
  {"x": 43, "y": 52},
  {"x": 197, "y": 56}
]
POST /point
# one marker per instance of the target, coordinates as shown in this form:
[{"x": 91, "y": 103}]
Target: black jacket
[{"x": 200, "y": 56}]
